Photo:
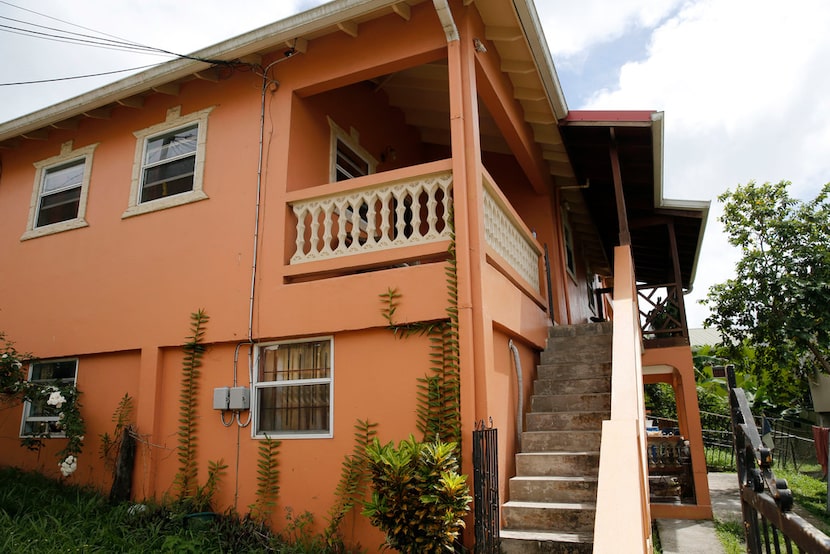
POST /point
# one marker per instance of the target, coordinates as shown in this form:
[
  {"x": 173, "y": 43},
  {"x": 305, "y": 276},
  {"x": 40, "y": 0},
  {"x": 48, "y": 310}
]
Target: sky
[{"x": 742, "y": 83}]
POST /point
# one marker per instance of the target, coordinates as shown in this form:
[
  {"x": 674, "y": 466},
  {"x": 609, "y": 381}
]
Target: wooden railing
[
  {"x": 766, "y": 501},
  {"x": 662, "y": 315}
]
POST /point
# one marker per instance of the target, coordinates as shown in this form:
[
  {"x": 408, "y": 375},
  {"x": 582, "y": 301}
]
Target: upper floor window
[
  {"x": 40, "y": 417},
  {"x": 293, "y": 389},
  {"x": 348, "y": 158},
  {"x": 60, "y": 192},
  {"x": 169, "y": 163}
]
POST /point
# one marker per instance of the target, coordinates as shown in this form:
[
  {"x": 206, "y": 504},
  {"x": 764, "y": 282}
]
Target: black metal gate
[
  {"x": 766, "y": 501},
  {"x": 486, "y": 487}
]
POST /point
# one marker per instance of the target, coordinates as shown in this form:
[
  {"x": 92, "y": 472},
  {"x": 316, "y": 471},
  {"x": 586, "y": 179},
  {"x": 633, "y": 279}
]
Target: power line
[
  {"x": 76, "y": 76},
  {"x": 97, "y": 41}
]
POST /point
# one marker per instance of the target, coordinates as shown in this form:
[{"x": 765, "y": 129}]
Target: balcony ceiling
[{"x": 638, "y": 137}]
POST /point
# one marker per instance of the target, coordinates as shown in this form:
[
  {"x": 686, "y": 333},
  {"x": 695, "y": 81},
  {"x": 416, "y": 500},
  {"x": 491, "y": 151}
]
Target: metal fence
[{"x": 486, "y": 488}]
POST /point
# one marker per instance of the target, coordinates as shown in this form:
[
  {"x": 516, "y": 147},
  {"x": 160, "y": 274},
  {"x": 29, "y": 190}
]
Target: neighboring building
[{"x": 282, "y": 181}]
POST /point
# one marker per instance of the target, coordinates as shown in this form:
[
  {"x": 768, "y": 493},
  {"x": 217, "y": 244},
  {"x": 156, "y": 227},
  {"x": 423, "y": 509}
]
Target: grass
[{"x": 39, "y": 515}]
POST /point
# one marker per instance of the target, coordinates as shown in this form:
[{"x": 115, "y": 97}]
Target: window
[
  {"x": 60, "y": 192},
  {"x": 293, "y": 389},
  {"x": 169, "y": 163},
  {"x": 348, "y": 158},
  {"x": 39, "y": 417}
]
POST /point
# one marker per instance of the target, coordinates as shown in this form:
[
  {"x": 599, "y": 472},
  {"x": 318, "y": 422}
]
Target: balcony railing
[
  {"x": 370, "y": 218},
  {"x": 662, "y": 314},
  {"x": 509, "y": 237}
]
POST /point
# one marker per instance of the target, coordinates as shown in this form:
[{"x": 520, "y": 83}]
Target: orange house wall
[{"x": 134, "y": 301}]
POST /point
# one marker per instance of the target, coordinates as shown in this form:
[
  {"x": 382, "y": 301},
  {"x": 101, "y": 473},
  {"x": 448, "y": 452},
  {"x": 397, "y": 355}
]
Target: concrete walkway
[{"x": 683, "y": 536}]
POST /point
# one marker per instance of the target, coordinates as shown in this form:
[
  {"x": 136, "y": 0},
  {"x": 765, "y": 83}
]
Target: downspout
[
  {"x": 442, "y": 8},
  {"x": 517, "y": 363}
]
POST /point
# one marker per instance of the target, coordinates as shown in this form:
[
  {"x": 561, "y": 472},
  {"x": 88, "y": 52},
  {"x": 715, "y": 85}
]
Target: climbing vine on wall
[{"x": 438, "y": 407}]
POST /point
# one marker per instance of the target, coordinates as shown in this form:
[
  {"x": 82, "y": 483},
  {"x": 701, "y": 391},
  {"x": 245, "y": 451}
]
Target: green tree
[{"x": 779, "y": 299}]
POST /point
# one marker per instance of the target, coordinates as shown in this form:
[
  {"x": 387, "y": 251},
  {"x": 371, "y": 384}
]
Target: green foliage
[
  {"x": 111, "y": 444},
  {"x": 268, "y": 480},
  {"x": 779, "y": 299},
  {"x": 11, "y": 366},
  {"x": 63, "y": 402},
  {"x": 354, "y": 478},
  {"x": 438, "y": 407},
  {"x": 185, "y": 481},
  {"x": 419, "y": 500},
  {"x": 203, "y": 497}
]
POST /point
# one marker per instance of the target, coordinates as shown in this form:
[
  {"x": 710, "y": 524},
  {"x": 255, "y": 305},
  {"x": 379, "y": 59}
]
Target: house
[{"x": 285, "y": 180}]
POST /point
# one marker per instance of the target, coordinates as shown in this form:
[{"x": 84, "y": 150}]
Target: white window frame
[
  {"x": 26, "y": 418},
  {"x": 352, "y": 142},
  {"x": 256, "y": 386},
  {"x": 67, "y": 156},
  {"x": 173, "y": 122}
]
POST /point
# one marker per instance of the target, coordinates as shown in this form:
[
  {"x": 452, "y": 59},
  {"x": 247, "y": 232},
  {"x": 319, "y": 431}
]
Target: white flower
[
  {"x": 17, "y": 365},
  {"x": 69, "y": 465},
  {"x": 5, "y": 356},
  {"x": 56, "y": 399}
]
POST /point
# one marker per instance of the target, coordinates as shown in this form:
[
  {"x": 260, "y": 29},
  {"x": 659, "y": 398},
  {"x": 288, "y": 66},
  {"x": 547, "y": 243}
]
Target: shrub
[{"x": 418, "y": 498}]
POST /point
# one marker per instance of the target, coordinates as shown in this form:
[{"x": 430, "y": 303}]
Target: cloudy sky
[{"x": 743, "y": 83}]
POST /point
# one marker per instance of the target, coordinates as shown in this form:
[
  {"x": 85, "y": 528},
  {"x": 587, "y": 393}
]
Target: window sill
[
  {"x": 164, "y": 203},
  {"x": 54, "y": 228}
]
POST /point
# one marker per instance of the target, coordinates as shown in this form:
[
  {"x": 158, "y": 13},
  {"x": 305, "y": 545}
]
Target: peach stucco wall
[{"x": 117, "y": 294}]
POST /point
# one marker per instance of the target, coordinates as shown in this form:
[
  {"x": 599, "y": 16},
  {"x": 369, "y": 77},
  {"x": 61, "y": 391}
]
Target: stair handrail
[{"x": 623, "y": 517}]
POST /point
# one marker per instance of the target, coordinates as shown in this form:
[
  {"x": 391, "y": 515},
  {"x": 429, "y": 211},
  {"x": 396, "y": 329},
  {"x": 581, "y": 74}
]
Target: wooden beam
[
  {"x": 541, "y": 118},
  {"x": 298, "y": 45},
  {"x": 132, "y": 102},
  {"x": 508, "y": 34},
  {"x": 67, "y": 124},
  {"x": 625, "y": 234},
  {"x": 522, "y": 93},
  {"x": 99, "y": 113},
  {"x": 555, "y": 156},
  {"x": 210, "y": 74},
  {"x": 547, "y": 134},
  {"x": 9, "y": 144},
  {"x": 251, "y": 59},
  {"x": 37, "y": 134},
  {"x": 348, "y": 27},
  {"x": 402, "y": 9},
  {"x": 517, "y": 66},
  {"x": 171, "y": 89}
]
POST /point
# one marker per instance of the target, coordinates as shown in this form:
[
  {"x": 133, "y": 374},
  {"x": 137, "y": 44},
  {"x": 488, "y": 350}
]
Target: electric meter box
[
  {"x": 221, "y": 396},
  {"x": 240, "y": 398}
]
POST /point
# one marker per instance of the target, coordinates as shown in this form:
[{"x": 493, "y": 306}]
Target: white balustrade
[
  {"x": 508, "y": 239},
  {"x": 390, "y": 215}
]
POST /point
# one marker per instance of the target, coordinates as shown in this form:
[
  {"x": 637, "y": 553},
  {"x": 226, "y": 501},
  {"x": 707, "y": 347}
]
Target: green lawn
[{"x": 39, "y": 515}]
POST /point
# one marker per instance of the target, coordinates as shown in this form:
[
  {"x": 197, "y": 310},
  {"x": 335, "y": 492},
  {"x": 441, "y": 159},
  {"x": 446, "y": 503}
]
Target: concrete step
[
  {"x": 572, "y": 386},
  {"x": 534, "y": 488},
  {"x": 570, "y": 516},
  {"x": 566, "y": 421},
  {"x": 545, "y": 542},
  {"x": 562, "y": 441},
  {"x": 569, "y": 370},
  {"x": 570, "y": 402},
  {"x": 558, "y": 464},
  {"x": 580, "y": 330},
  {"x": 576, "y": 354}
]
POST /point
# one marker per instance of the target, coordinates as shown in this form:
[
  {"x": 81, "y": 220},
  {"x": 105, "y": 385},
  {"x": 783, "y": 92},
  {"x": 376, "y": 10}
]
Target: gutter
[
  {"x": 529, "y": 20},
  {"x": 304, "y": 23}
]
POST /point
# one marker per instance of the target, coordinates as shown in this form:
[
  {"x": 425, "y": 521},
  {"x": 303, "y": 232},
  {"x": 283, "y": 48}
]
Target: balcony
[{"x": 399, "y": 218}]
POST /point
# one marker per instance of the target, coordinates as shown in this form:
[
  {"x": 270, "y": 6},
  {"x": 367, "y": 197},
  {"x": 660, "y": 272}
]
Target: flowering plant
[{"x": 55, "y": 399}]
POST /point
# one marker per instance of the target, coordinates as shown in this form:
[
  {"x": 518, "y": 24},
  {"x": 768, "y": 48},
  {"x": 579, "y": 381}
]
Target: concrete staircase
[{"x": 553, "y": 495}]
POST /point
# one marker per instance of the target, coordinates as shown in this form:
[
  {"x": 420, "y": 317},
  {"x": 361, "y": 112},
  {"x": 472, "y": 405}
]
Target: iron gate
[{"x": 486, "y": 488}]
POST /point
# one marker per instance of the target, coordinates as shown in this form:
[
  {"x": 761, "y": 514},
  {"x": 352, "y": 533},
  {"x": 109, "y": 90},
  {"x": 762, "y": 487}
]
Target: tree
[{"x": 779, "y": 300}]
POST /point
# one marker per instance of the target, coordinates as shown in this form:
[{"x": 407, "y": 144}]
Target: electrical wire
[
  {"x": 82, "y": 39},
  {"x": 55, "y": 79}
]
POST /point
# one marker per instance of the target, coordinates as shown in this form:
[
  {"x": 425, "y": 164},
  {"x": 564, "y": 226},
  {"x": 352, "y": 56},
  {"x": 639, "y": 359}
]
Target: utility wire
[
  {"x": 91, "y": 40},
  {"x": 76, "y": 76}
]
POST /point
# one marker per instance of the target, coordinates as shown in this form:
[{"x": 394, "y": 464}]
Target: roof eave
[{"x": 306, "y": 22}]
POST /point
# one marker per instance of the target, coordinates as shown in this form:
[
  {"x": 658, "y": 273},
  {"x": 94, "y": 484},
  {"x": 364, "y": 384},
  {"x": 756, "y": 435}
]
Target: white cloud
[
  {"x": 743, "y": 85},
  {"x": 571, "y": 28}
]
